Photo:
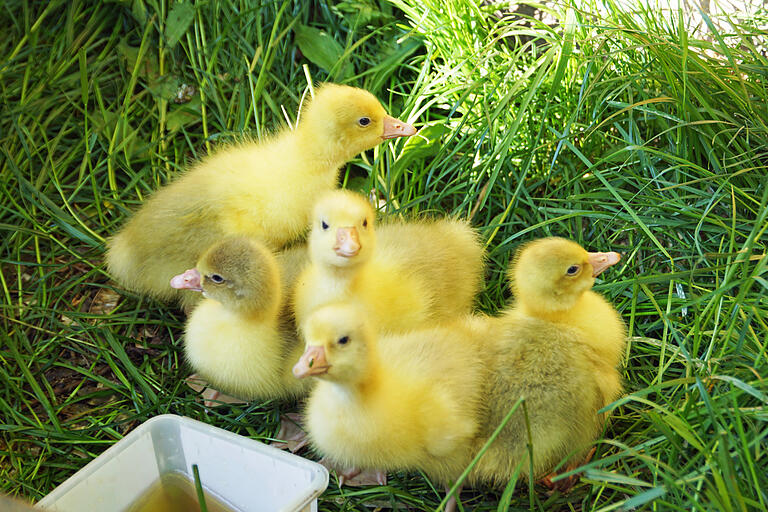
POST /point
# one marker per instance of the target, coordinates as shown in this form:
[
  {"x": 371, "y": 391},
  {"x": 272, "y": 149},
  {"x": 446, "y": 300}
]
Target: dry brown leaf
[{"x": 104, "y": 302}]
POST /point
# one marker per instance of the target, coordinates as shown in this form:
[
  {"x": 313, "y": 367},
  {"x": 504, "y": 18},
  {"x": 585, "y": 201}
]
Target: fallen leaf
[
  {"x": 178, "y": 21},
  {"x": 104, "y": 302}
]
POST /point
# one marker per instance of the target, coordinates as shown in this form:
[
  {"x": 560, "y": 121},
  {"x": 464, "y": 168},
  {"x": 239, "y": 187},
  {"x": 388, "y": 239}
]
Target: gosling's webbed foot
[
  {"x": 291, "y": 436},
  {"x": 365, "y": 478},
  {"x": 211, "y": 397},
  {"x": 349, "y": 474},
  {"x": 564, "y": 485},
  {"x": 356, "y": 477},
  {"x": 450, "y": 505}
]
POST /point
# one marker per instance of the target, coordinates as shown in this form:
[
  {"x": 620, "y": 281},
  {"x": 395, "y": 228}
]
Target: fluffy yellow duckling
[
  {"x": 405, "y": 402},
  {"x": 552, "y": 280},
  {"x": 263, "y": 189},
  {"x": 405, "y": 273},
  {"x": 240, "y": 338},
  {"x": 558, "y": 347}
]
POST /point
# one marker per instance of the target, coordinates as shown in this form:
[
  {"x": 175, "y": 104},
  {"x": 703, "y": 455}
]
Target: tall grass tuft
[
  {"x": 621, "y": 128},
  {"x": 618, "y": 129}
]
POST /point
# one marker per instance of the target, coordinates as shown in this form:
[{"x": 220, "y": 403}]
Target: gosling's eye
[
  {"x": 323, "y": 225},
  {"x": 573, "y": 270},
  {"x": 365, "y": 223},
  {"x": 364, "y": 121},
  {"x": 216, "y": 278},
  {"x": 343, "y": 340}
]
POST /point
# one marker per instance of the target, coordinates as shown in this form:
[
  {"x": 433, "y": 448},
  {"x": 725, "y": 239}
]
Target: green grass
[{"x": 618, "y": 130}]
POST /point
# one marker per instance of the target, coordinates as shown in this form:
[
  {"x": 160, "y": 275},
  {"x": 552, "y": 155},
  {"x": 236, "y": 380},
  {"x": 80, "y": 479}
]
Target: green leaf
[
  {"x": 612, "y": 477},
  {"x": 426, "y": 144},
  {"x": 358, "y": 184},
  {"x": 644, "y": 497},
  {"x": 566, "y": 49},
  {"x": 321, "y": 49},
  {"x": 743, "y": 386},
  {"x": 126, "y": 363},
  {"x": 762, "y": 281},
  {"x": 178, "y": 22},
  {"x": 684, "y": 430},
  {"x": 164, "y": 86},
  {"x": 127, "y": 138},
  {"x": 362, "y": 12},
  {"x": 184, "y": 115},
  {"x": 139, "y": 11},
  {"x": 148, "y": 67}
]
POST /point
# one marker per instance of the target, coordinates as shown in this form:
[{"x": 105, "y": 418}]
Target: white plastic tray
[{"x": 246, "y": 474}]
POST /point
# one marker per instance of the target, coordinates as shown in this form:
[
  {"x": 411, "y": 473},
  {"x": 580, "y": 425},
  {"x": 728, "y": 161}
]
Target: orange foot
[
  {"x": 355, "y": 477},
  {"x": 450, "y": 505},
  {"x": 564, "y": 485},
  {"x": 211, "y": 397},
  {"x": 292, "y": 436}
]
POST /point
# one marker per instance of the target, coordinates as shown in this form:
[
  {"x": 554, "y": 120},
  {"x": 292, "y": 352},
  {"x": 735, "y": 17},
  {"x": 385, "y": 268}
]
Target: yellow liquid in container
[{"x": 174, "y": 492}]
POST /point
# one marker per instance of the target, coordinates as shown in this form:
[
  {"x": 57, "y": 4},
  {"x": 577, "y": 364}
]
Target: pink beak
[
  {"x": 312, "y": 362},
  {"x": 347, "y": 242},
  {"x": 602, "y": 260},
  {"x": 394, "y": 128},
  {"x": 189, "y": 280}
]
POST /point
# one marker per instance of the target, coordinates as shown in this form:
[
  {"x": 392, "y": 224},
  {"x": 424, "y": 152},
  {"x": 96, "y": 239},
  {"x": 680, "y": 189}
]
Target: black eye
[
  {"x": 323, "y": 225},
  {"x": 364, "y": 121},
  {"x": 573, "y": 270},
  {"x": 365, "y": 223},
  {"x": 343, "y": 340},
  {"x": 216, "y": 278}
]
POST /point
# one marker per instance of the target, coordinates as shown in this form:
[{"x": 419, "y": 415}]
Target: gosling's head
[
  {"x": 239, "y": 272},
  {"x": 342, "y": 230},
  {"x": 551, "y": 274},
  {"x": 349, "y": 120},
  {"x": 338, "y": 344}
]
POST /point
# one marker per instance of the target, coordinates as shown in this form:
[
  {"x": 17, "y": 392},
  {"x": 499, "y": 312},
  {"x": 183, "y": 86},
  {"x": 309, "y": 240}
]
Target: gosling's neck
[
  {"x": 266, "y": 310},
  {"x": 593, "y": 316},
  {"x": 365, "y": 381},
  {"x": 344, "y": 278},
  {"x": 326, "y": 152},
  {"x": 558, "y": 310}
]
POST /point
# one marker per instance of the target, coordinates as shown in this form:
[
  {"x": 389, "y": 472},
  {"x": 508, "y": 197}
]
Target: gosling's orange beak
[
  {"x": 347, "y": 242},
  {"x": 312, "y": 362},
  {"x": 602, "y": 260},
  {"x": 189, "y": 280},
  {"x": 394, "y": 128}
]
